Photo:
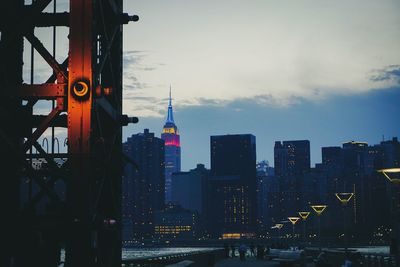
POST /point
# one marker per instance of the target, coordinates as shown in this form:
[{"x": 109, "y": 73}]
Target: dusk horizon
[
  {"x": 329, "y": 122},
  {"x": 177, "y": 133}
]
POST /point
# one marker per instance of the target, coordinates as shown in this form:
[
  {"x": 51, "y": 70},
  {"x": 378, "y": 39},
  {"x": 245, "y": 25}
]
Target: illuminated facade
[
  {"x": 174, "y": 222},
  {"x": 170, "y": 135},
  {"x": 142, "y": 186},
  {"x": 292, "y": 158},
  {"x": 232, "y": 203}
]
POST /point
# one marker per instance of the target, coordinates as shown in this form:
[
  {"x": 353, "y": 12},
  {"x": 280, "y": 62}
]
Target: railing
[
  {"x": 378, "y": 260},
  {"x": 337, "y": 257},
  {"x": 200, "y": 258}
]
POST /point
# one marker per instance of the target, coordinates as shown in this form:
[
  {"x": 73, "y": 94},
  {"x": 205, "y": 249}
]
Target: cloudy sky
[{"x": 327, "y": 71}]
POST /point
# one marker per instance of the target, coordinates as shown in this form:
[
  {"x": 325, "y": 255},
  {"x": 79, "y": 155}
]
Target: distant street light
[
  {"x": 279, "y": 227},
  {"x": 392, "y": 174},
  {"x": 344, "y": 198},
  {"x": 319, "y": 209},
  {"x": 293, "y": 220},
  {"x": 391, "y": 171},
  {"x": 304, "y": 215}
]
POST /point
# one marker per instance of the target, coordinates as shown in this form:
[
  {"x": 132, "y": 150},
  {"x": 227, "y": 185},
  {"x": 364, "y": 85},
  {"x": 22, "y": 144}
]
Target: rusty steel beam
[
  {"x": 59, "y": 121},
  {"x": 94, "y": 122},
  {"x": 42, "y": 91},
  {"x": 40, "y": 130},
  {"x": 80, "y": 87},
  {"x": 37, "y": 44},
  {"x": 52, "y": 19}
]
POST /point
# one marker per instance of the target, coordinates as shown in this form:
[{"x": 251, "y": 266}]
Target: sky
[{"x": 326, "y": 71}]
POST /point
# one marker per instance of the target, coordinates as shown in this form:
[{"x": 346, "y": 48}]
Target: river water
[{"x": 137, "y": 253}]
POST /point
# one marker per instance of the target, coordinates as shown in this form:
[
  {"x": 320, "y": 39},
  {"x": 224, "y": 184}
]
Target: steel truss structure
[{"x": 86, "y": 92}]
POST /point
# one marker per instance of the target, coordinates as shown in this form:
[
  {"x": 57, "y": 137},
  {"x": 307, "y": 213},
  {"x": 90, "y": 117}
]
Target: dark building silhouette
[
  {"x": 267, "y": 186},
  {"x": 352, "y": 168},
  {"x": 189, "y": 188},
  {"x": 170, "y": 135},
  {"x": 292, "y": 157},
  {"x": 143, "y": 187},
  {"x": 332, "y": 156},
  {"x": 232, "y": 203}
]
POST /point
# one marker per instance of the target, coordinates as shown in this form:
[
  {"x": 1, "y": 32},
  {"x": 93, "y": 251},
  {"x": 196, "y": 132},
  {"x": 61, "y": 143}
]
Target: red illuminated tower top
[
  {"x": 170, "y": 135},
  {"x": 170, "y": 132}
]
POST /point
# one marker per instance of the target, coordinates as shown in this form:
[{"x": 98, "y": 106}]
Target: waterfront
[{"x": 143, "y": 253}]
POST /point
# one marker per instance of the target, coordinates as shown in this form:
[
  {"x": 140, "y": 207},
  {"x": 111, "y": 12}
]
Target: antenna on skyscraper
[{"x": 170, "y": 99}]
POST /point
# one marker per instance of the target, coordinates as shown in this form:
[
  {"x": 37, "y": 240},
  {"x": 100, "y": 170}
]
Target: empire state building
[{"x": 170, "y": 135}]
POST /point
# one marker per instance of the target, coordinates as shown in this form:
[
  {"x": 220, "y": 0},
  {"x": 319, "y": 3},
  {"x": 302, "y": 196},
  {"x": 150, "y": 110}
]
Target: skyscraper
[
  {"x": 170, "y": 135},
  {"x": 189, "y": 188},
  {"x": 292, "y": 157},
  {"x": 232, "y": 203},
  {"x": 143, "y": 185}
]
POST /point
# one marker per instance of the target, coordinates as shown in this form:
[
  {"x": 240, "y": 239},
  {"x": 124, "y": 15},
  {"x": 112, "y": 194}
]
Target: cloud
[
  {"x": 135, "y": 63},
  {"x": 132, "y": 57},
  {"x": 278, "y": 53},
  {"x": 389, "y": 73}
]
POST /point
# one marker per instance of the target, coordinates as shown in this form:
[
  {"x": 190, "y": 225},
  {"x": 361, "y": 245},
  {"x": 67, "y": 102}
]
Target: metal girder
[
  {"x": 38, "y": 6},
  {"x": 53, "y": 155},
  {"x": 92, "y": 174},
  {"x": 59, "y": 121},
  {"x": 51, "y": 19},
  {"x": 37, "y": 44},
  {"x": 40, "y": 129},
  {"x": 22, "y": 22},
  {"x": 53, "y": 77},
  {"x": 42, "y": 91},
  {"x": 80, "y": 87},
  {"x": 28, "y": 168}
]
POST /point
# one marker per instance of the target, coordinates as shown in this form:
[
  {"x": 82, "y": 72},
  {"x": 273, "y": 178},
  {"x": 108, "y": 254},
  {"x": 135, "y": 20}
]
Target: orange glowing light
[
  {"x": 231, "y": 236},
  {"x": 80, "y": 89},
  {"x": 107, "y": 91},
  {"x": 169, "y": 130}
]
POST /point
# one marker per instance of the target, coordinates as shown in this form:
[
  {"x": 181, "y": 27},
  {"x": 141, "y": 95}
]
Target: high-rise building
[
  {"x": 170, "y": 135},
  {"x": 189, "y": 188},
  {"x": 175, "y": 222},
  {"x": 292, "y": 157},
  {"x": 143, "y": 185},
  {"x": 352, "y": 169},
  {"x": 232, "y": 203},
  {"x": 267, "y": 186}
]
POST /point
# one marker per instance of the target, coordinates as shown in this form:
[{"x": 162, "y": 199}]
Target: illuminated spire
[{"x": 170, "y": 116}]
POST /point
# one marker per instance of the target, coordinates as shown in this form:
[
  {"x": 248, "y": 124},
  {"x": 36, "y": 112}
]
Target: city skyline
[
  {"x": 326, "y": 72},
  {"x": 372, "y": 122},
  {"x": 94, "y": 174}
]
